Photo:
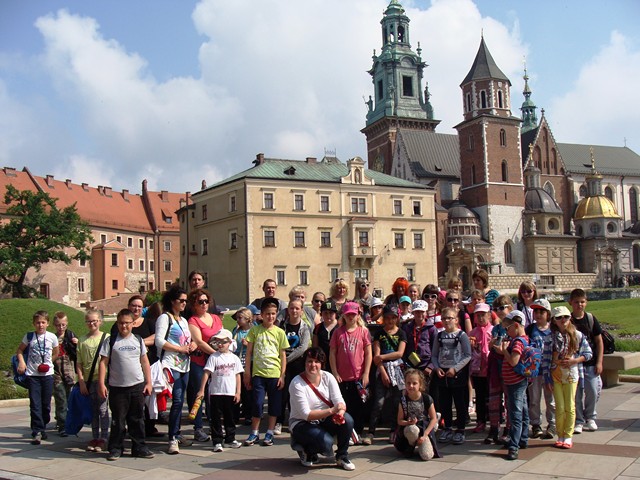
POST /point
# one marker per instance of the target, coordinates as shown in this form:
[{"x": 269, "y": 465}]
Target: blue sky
[{"x": 179, "y": 91}]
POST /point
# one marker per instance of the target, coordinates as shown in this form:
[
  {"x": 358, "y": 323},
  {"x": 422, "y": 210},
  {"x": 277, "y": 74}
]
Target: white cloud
[{"x": 81, "y": 169}]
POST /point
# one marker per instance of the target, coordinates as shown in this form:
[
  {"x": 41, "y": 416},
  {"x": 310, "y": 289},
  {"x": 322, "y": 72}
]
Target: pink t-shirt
[
  {"x": 207, "y": 332},
  {"x": 349, "y": 347}
]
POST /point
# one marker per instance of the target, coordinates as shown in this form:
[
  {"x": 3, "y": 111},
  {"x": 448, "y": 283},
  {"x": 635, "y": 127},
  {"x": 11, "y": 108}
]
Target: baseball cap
[
  {"x": 517, "y": 316},
  {"x": 329, "y": 306},
  {"x": 390, "y": 310},
  {"x": 420, "y": 306},
  {"x": 350, "y": 307},
  {"x": 561, "y": 311},
  {"x": 405, "y": 299},
  {"x": 541, "y": 303},
  {"x": 223, "y": 334},
  {"x": 481, "y": 307},
  {"x": 269, "y": 302},
  {"x": 376, "y": 302}
]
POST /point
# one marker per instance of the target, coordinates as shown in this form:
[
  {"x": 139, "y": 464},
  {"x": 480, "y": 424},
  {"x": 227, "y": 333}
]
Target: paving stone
[{"x": 596, "y": 467}]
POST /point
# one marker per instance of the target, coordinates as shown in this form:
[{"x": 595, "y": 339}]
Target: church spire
[{"x": 529, "y": 117}]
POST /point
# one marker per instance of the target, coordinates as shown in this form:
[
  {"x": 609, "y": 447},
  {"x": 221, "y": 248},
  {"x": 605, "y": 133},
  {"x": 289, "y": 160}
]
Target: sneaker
[
  {"x": 91, "y": 447},
  {"x": 184, "y": 441},
  {"x": 268, "y": 440},
  {"x": 218, "y": 447},
  {"x": 577, "y": 428},
  {"x": 277, "y": 430},
  {"x": 591, "y": 426},
  {"x": 63, "y": 433},
  {"x": 114, "y": 455},
  {"x": 458, "y": 438},
  {"x": 199, "y": 435},
  {"x": 367, "y": 439},
  {"x": 145, "y": 453},
  {"x": 305, "y": 459},
  {"x": 234, "y": 444},
  {"x": 101, "y": 445},
  {"x": 351, "y": 442},
  {"x": 251, "y": 439},
  {"x": 549, "y": 433},
  {"x": 37, "y": 439},
  {"x": 536, "y": 431},
  {"x": 492, "y": 437},
  {"x": 174, "y": 447},
  {"x": 480, "y": 428},
  {"x": 346, "y": 464},
  {"x": 44, "y": 435},
  {"x": 512, "y": 455},
  {"x": 439, "y": 417},
  {"x": 446, "y": 436}
]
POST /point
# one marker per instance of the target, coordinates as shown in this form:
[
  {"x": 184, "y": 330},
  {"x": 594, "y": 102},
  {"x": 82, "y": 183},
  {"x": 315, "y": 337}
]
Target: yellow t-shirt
[{"x": 87, "y": 348}]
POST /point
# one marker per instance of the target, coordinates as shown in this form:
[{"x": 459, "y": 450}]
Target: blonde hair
[
  {"x": 93, "y": 313},
  {"x": 59, "y": 316},
  {"x": 359, "y": 320},
  {"x": 339, "y": 283},
  {"x": 297, "y": 290},
  {"x": 574, "y": 341}
]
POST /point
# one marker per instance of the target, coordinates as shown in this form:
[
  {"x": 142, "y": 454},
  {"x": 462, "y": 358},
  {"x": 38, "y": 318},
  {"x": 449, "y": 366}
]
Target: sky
[{"x": 180, "y": 91}]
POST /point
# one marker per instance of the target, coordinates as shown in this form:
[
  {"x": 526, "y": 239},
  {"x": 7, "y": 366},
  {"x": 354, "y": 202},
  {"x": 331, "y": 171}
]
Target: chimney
[
  {"x": 183, "y": 203},
  {"x": 10, "y": 172},
  {"x": 68, "y": 183},
  {"x": 107, "y": 191},
  {"x": 164, "y": 195},
  {"x": 100, "y": 190},
  {"x": 204, "y": 185},
  {"x": 259, "y": 159},
  {"x": 144, "y": 186},
  {"x": 49, "y": 180},
  {"x": 85, "y": 187},
  {"x": 311, "y": 160},
  {"x": 125, "y": 195}
]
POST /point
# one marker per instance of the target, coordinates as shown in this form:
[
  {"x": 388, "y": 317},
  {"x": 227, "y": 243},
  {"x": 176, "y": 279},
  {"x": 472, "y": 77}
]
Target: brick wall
[{"x": 111, "y": 306}]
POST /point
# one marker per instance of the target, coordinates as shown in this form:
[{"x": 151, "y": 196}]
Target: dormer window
[{"x": 290, "y": 171}]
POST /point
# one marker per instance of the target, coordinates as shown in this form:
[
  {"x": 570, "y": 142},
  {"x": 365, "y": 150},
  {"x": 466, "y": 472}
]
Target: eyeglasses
[
  {"x": 90, "y": 322},
  {"x": 526, "y": 291},
  {"x": 203, "y": 302},
  {"x": 181, "y": 300},
  {"x": 452, "y": 300},
  {"x": 502, "y": 307},
  {"x": 125, "y": 324},
  {"x": 563, "y": 317}
]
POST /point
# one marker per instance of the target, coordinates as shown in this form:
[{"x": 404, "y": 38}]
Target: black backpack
[{"x": 608, "y": 342}]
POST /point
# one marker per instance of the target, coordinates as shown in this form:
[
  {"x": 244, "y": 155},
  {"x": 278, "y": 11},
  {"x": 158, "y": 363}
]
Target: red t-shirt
[
  {"x": 349, "y": 347},
  {"x": 207, "y": 332},
  {"x": 509, "y": 376}
]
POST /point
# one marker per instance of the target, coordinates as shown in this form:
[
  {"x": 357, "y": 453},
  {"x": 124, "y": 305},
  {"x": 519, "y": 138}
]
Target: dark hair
[
  {"x": 125, "y": 312},
  {"x": 136, "y": 297},
  {"x": 577, "y": 293},
  {"x": 195, "y": 272},
  {"x": 170, "y": 295},
  {"x": 482, "y": 275},
  {"x": 268, "y": 280},
  {"x": 197, "y": 293},
  {"x": 315, "y": 353}
]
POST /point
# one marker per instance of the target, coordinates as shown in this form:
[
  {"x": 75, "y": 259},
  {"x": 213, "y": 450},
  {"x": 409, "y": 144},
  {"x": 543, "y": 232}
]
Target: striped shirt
[{"x": 509, "y": 376}]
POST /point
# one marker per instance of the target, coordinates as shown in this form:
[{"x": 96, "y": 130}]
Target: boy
[
  {"x": 43, "y": 350},
  {"x": 88, "y": 348},
  {"x": 512, "y": 349},
  {"x": 224, "y": 368},
  {"x": 125, "y": 356},
  {"x": 266, "y": 345},
  {"x": 63, "y": 368},
  {"x": 589, "y": 388}
]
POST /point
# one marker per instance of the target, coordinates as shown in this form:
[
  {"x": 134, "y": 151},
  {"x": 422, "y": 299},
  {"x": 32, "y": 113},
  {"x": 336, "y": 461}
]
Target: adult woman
[
  {"x": 317, "y": 300},
  {"x": 363, "y": 297},
  {"x": 400, "y": 288},
  {"x": 338, "y": 293},
  {"x": 527, "y": 294},
  {"x": 318, "y": 413},
  {"x": 173, "y": 341},
  {"x": 202, "y": 325}
]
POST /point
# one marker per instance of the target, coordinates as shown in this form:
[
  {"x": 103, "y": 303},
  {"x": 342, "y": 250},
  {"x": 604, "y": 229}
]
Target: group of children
[{"x": 439, "y": 350}]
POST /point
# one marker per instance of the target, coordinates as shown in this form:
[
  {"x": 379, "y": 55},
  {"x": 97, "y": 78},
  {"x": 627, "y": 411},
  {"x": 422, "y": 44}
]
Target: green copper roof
[
  {"x": 484, "y": 67},
  {"x": 330, "y": 171}
]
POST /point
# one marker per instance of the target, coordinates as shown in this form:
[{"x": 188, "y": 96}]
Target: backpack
[
  {"x": 608, "y": 342},
  {"x": 530, "y": 360},
  {"x": 21, "y": 378}
]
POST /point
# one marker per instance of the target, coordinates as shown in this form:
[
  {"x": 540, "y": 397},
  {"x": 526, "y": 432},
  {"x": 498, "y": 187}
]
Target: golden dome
[{"x": 595, "y": 207}]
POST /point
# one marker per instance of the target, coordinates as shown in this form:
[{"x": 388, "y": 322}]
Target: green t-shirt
[
  {"x": 87, "y": 348},
  {"x": 267, "y": 345}
]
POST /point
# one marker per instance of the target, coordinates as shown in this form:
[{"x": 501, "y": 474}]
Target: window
[
  {"x": 633, "y": 205},
  {"x": 397, "y": 207},
  {"x": 167, "y": 265},
  {"x": 483, "y": 99},
  {"x": 204, "y": 212},
  {"x": 205, "y": 246},
  {"x": 583, "y": 191},
  {"x": 103, "y": 238},
  {"x": 548, "y": 187},
  {"x": 150, "y": 244},
  {"x": 333, "y": 274},
  {"x": 398, "y": 240},
  {"x": 280, "y": 278},
  {"x": 298, "y": 202},
  {"x": 129, "y": 242},
  {"x": 363, "y": 238},
  {"x": 611, "y": 227},
  {"x": 151, "y": 268},
  {"x": 636, "y": 256},
  {"x": 114, "y": 259},
  {"x": 503, "y": 138},
  {"x": 150, "y": 285},
  {"x": 361, "y": 273},
  {"x": 379, "y": 90},
  {"x": 418, "y": 240},
  {"x": 594, "y": 228},
  {"x": 417, "y": 207},
  {"x": 140, "y": 243},
  {"x": 44, "y": 290},
  {"x": 407, "y": 86},
  {"x": 82, "y": 262},
  {"x": 233, "y": 240},
  {"x": 81, "y": 285},
  {"x": 232, "y": 202},
  {"x": 324, "y": 203},
  {"x": 473, "y": 174},
  {"x": 325, "y": 239},
  {"x": 167, "y": 246},
  {"x": 130, "y": 264},
  {"x": 358, "y": 205},
  {"x": 298, "y": 238},
  {"x": 499, "y": 98},
  {"x": 167, "y": 285},
  {"x": 141, "y": 265},
  {"x": 608, "y": 192},
  {"x": 269, "y": 238},
  {"x": 468, "y": 102},
  {"x": 471, "y": 143},
  {"x": 508, "y": 252},
  {"x": 268, "y": 200},
  {"x": 411, "y": 274},
  {"x": 119, "y": 238},
  {"x": 304, "y": 277},
  {"x": 505, "y": 171},
  {"x": 114, "y": 284}
]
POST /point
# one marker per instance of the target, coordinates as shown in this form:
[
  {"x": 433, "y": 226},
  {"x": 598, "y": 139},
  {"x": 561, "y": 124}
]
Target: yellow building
[{"x": 308, "y": 222}]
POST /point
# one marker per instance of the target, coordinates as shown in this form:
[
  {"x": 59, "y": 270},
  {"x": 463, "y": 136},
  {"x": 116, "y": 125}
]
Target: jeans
[
  {"x": 318, "y": 437},
  {"x": 518, "y": 414},
  {"x": 40, "y": 391},
  {"x": 565, "y": 394},
  {"x": 381, "y": 394},
  {"x": 127, "y": 411},
  {"x": 99, "y": 407},
  {"x": 537, "y": 389},
  {"x": 266, "y": 386},
  {"x": 180, "y": 381},
  {"x": 195, "y": 379},
  {"x": 60, "y": 394},
  {"x": 587, "y": 395}
]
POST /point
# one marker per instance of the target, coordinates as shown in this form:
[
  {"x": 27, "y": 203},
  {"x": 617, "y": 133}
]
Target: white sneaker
[
  {"x": 577, "y": 428},
  {"x": 174, "y": 449},
  {"x": 346, "y": 464},
  {"x": 591, "y": 426},
  {"x": 218, "y": 447},
  {"x": 277, "y": 430},
  {"x": 234, "y": 444}
]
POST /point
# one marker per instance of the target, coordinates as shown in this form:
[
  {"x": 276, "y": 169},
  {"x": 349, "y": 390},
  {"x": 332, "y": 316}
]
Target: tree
[{"x": 38, "y": 232}]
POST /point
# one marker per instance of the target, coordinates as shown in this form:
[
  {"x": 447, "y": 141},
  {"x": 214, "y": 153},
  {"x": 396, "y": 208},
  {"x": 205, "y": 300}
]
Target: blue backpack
[
  {"x": 21, "y": 378},
  {"x": 530, "y": 360}
]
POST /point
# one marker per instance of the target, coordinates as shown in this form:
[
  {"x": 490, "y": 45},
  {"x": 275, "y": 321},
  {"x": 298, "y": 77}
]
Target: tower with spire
[
  {"x": 528, "y": 109},
  {"x": 398, "y": 100}
]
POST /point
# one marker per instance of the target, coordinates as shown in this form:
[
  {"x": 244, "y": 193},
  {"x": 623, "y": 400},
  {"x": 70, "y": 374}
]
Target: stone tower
[{"x": 398, "y": 100}]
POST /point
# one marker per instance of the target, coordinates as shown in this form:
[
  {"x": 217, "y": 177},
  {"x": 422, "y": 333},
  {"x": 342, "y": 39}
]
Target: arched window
[
  {"x": 499, "y": 98},
  {"x": 505, "y": 171},
  {"x": 608, "y": 192},
  {"x": 468, "y": 102},
  {"x": 483, "y": 99},
  {"x": 548, "y": 187},
  {"x": 508, "y": 252},
  {"x": 583, "y": 191},
  {"x": 633, "y": 204},
  {"x": 636, "y": 256},
  {"x": 503, "y": 138},
  {"x": 473, "y": 174}
]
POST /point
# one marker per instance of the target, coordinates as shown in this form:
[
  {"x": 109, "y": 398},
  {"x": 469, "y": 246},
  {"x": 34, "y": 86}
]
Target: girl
[
  {"x": 527, "y": 294},
  {"x": 416, "y": 418},
  {"x": 244, "y": 318},
  {"x": 325, "y": 330},
  {"x": 480, "y": 279},
  {"x": 388, "y": 348},
  {"x": 338, "y": 292},
  {"x": 431, "y": 295},
  {"x": 414, "y": 292},
  {"x": 480, "y": 338},
  {"x": 452, "y": 300},
  {"x": 350, "y": 360},
  {"x": 569, "y": 349},
  {"x": 451, "y": 354}
]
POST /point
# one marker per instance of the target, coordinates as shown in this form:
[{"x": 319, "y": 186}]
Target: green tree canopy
[{"x": 38, "y": 232}]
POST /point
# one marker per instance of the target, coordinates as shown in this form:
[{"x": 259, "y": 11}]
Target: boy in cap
[
  {"x": 541, "y": 337},
  {"x": 516, "y": 384},
  {"x": 224, "y": 368},
  {"x": 324, "y": 330}
]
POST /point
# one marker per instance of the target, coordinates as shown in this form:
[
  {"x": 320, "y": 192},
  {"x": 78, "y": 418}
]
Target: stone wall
[
  {"x": 509, "y": 283},
  {"x": 111, "y": 306}
]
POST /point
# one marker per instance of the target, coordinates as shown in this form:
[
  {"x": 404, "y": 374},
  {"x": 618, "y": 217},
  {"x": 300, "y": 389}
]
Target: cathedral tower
[{"x": 398, "y": 100}]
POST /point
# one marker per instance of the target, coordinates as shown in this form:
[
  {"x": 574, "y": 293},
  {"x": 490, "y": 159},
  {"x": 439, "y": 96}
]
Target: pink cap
[
  {"x": 350, "y": 307},
  {"x": 481, "y": 307}
]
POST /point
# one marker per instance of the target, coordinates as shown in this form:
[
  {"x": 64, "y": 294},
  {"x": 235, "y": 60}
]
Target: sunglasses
[
  {"x": 203, "y": 302},
  {"x": 563, "y": 317},
  {"x": 452, "y": 300},
  {"x": 317, "y": 300},
  {"x": 338, "y": 280},
  {"x": 182, "y": 300},
  {"x": 364, "y": 285},
  {"x": 502, "y": 307},
  {"x": 526, "y": 291},
  {"x": 431, "y": 296}
]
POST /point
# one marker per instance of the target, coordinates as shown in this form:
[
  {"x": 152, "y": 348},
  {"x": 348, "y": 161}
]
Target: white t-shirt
[
  {"x": 224, "y": 368},
  {"x": 40, "y": 349},
  {"x": 303, "y": 399},
  {"x": 125, "y": 369}
]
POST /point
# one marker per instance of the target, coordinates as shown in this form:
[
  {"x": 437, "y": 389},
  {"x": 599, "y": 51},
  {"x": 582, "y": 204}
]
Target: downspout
[{"x": 246, "y": 236}]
